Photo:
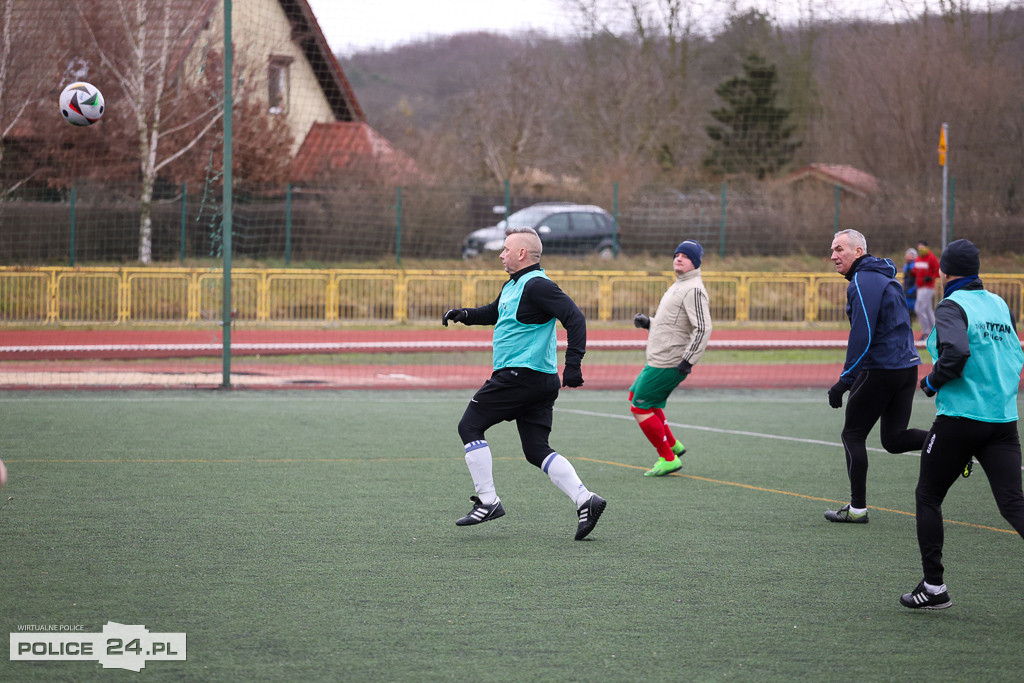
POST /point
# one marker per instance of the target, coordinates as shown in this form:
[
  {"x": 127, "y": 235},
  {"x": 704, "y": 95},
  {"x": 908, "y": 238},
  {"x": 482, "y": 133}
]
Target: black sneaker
[
  {"x": 843, "y": 514},
  {"x": 920, "y": 598},
  {"x": 481, "y": 512},
  {"x": 588, "y": 514}
]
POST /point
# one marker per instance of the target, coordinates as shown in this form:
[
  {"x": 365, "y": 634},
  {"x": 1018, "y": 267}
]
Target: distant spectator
[
  {"x": 927, "y": 268},
  {"x": 910, "y": 279}
]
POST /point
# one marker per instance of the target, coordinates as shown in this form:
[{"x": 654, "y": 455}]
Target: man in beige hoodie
[{"x": 679, "y": 333}]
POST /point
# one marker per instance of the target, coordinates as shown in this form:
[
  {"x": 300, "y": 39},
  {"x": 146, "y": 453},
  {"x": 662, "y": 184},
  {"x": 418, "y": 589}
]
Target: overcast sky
[{"x": 351, "y": 26}]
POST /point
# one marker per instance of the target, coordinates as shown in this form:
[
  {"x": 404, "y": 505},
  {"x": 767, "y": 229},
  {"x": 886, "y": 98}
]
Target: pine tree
[{"x": 754, "y": 137}]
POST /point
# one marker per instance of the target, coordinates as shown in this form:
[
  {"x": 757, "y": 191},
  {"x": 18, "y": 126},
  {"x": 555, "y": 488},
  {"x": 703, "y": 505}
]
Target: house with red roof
[
  {"x": 847, "y": 178},
  {"x": 284, "y": 70},
  {"x": 302, "y": 81}
]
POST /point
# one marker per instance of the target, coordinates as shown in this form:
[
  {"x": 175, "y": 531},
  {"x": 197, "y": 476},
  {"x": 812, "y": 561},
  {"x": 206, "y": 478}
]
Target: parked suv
[{"x": 563, "y": 229}]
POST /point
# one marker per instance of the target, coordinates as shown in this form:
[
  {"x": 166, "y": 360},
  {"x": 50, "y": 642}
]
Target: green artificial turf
[{"x": 310, "y": 536}]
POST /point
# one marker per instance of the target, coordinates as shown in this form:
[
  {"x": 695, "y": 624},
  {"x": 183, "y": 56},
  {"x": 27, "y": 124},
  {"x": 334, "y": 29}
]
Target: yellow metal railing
[{"x": 171, "y": 296}]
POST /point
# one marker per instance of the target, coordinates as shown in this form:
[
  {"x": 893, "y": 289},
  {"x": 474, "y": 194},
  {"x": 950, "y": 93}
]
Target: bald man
[{"x": 524, "y": 384}]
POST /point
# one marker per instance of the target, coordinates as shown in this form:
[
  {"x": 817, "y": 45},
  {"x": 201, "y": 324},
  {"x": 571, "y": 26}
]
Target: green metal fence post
[
  {"x": 398, "y": 226},
  {"x": 835, "y": 218},
  {"x": 226, "y": 220},
  {"x": 615, "y": 217},
  {"x": 184, "y": 218},
  {"x": 952, "y": 204},
  {"x": 721, "y": 226},
  {"x": 288, "y": 225},
  {"x": 71, "y": 240}
]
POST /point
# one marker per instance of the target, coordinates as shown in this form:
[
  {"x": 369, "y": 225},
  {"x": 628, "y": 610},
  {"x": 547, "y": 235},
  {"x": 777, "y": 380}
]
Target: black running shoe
[
  {"x": 588, "y": 514},
  {"x": 844, "y": 515},
  {"x": 481, "y": 512},
  {"x": 920, "y": 598}
]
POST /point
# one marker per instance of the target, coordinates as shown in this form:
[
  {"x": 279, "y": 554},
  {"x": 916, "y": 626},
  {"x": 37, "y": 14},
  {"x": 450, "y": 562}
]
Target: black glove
[
  {"x": 684, "y": 368},
  {"x": 642, "y": 321},
  {"x": 835, "y": 394},
  {"x": 458, "y": 315},
  {"x": 928, "y": 391},
  {"x": 572, "y": 376}
]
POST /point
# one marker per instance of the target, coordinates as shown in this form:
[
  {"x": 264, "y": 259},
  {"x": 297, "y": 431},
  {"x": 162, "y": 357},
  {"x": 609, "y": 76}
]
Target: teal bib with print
[
  {"x": 987, "y": 391},
  {"x": 521, "y": 345}
]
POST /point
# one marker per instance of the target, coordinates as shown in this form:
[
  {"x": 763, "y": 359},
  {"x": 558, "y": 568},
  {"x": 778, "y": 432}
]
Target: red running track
[{"x": 72, "y": 359}]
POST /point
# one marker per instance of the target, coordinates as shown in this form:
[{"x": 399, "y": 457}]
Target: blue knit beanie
[{"x": 693, "y": 251}]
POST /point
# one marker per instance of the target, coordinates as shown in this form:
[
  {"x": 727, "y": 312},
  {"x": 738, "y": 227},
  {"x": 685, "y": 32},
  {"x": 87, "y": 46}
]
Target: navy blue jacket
[{"x": 880, "y": 334}]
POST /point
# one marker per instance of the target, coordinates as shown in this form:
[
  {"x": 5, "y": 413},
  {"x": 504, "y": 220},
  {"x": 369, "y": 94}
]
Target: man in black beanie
[
  {"x": 960, "y": 259},
  {"x": 977, "y": 365}
]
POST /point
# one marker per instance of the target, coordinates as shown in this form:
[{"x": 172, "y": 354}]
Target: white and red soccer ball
[{"x": 81, "y": 104}]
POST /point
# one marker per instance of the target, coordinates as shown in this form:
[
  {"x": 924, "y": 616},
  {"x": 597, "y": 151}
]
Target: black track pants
[
  {"x": 950, "y": 445},
  {"x": 878, "y": 394}
]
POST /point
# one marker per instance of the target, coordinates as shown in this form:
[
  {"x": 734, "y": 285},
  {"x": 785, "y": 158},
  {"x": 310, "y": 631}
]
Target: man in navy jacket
[{"x": 881, "y": 366}]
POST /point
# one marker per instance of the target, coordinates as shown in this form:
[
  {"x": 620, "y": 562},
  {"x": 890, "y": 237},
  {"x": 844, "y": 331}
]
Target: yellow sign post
[{"x": 945, "y": 184}]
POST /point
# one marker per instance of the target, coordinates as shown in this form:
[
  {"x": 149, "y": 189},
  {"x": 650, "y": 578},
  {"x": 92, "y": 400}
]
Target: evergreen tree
[{"x": 753, "y": 137}]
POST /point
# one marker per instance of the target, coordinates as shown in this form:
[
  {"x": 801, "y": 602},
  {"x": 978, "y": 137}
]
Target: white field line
[
  {"x": 737, "y": 432},
  {"x": 628, "y": 344},
  {"x": 719, "y": 430}
]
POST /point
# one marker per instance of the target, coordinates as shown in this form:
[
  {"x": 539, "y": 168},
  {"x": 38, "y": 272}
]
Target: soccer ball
[{"x": 81, "y": 104}]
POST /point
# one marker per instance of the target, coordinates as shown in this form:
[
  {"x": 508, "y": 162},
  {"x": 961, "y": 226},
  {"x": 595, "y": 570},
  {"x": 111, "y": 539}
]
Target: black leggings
[
  {"x": 878, "y": 394},
  {"x": 949, "y": 447}
]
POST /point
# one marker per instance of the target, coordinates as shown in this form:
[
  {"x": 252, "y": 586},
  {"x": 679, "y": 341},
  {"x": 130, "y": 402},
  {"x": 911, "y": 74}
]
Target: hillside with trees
[
  {"x": 749, "y": 133},
  {"x": 642, "y": 106}
]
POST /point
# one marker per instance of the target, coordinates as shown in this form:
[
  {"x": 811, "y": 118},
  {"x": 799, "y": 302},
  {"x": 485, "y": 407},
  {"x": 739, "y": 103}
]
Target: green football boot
[{"x": 663, "y": 467}]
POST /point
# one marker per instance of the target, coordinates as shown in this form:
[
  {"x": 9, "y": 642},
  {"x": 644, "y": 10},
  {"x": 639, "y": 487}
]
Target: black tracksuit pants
[
  {"x": 886, "y": 395},
  {"x": 950, "y": 445}
]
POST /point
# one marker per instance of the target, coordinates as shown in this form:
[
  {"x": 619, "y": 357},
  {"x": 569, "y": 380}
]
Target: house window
[{"x": 278, "y": 83}]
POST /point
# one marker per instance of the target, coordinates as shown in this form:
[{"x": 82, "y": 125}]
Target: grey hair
[
  {"x": 534, "y": 247},
  {"x": 857, "y": 239}
]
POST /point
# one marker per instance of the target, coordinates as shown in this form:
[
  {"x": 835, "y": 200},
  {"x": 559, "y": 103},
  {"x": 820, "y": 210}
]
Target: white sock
[
  {"x": 858, "y": 511},
  {"x": 564, "y": 477},
  {"x": 478, "y": 459},
  {"x": 934, "y": 590}
]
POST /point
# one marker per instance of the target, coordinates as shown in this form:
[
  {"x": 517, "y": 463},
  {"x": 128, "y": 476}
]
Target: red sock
[
  {"x": 660, "y": 414},
  {"x": 654, "y": 429}
]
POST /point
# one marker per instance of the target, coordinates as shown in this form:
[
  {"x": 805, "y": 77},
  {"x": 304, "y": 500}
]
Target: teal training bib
[
  {"x": 987, "y": 391},
  {"x": 522, "y": 345}
]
